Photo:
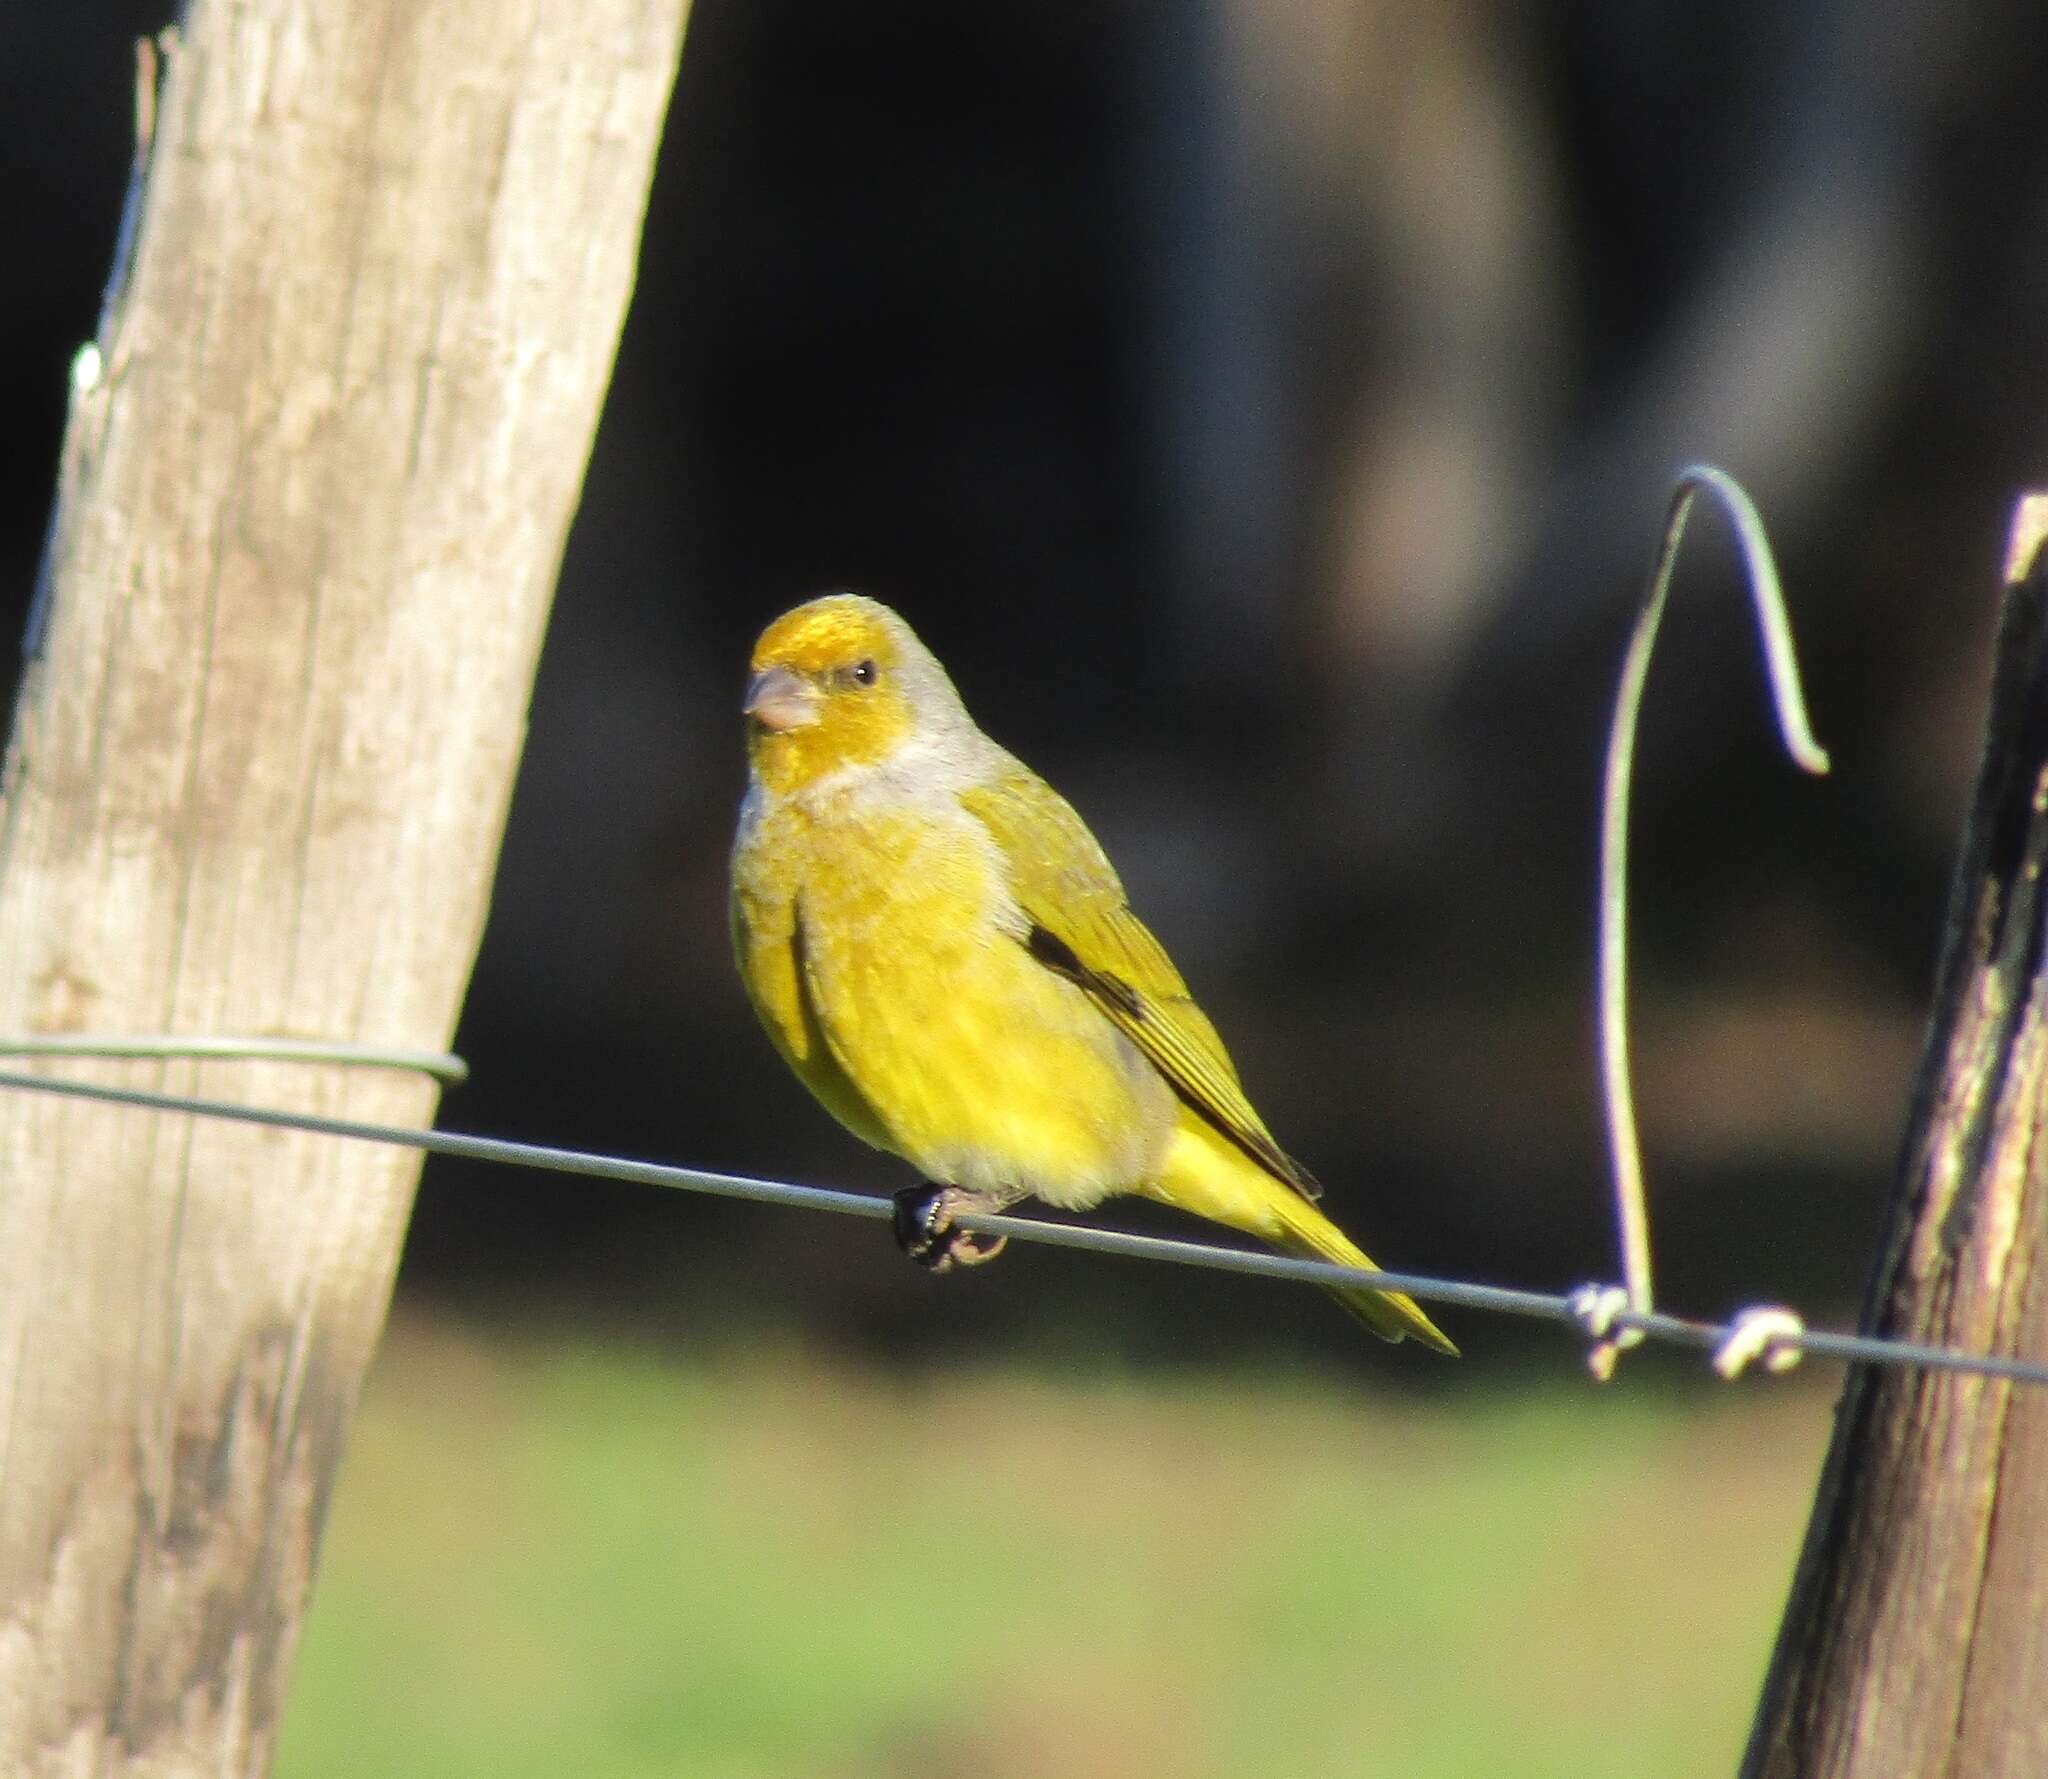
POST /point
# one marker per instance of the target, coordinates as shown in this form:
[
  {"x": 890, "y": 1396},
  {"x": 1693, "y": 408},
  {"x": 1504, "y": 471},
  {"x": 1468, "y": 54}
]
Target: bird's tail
[
  {"x": 1392, "y": 1315},
  {"x": 1206, "y": 1174}
]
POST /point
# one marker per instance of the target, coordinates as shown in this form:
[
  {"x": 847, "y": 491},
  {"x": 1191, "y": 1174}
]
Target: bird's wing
[{"x": 1082, "y": 928}]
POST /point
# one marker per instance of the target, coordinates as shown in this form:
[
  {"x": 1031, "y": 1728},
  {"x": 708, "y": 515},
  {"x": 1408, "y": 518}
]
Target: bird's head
[{"x": 840, "y": 682}]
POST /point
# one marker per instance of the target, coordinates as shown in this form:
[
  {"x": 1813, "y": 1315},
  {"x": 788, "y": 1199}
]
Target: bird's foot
[{"x": 925, "y": 1229}]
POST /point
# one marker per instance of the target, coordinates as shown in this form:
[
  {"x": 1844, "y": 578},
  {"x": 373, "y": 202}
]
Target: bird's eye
[{"x": 864, "y": 672}]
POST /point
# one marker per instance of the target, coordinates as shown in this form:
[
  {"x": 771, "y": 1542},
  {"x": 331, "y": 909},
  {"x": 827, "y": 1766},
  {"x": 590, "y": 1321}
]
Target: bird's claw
[{"x": 925, "y": 1229}]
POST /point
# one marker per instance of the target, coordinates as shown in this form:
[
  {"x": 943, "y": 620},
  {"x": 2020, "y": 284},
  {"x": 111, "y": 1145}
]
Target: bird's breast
[{"x": 987, "y": 1069}]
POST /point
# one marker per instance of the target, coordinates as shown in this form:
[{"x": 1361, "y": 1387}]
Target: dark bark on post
[
  {"x": 311, "y": 512},
  {"x": 1916, "y": 1641}
]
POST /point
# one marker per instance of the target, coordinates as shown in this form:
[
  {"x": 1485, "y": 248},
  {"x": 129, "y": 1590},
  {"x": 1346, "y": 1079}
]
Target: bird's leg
[{"x": 926, "y": 1231}]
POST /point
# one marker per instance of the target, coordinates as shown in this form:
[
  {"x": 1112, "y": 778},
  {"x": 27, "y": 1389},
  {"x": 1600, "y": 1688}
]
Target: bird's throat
[{"x": 792, "y": 760}]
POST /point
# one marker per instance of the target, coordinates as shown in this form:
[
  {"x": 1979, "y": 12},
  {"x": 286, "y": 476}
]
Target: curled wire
[{"x": 1781, "y": 665}]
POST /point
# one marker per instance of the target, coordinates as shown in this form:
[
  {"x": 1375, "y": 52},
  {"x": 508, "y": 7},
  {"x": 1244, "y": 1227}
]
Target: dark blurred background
[{"x": 1267, "y": 413}]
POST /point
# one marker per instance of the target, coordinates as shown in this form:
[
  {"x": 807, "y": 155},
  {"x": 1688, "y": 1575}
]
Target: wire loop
[
  {"x": 1596, "y": 1308},
  {"x": 443, "y": 1065},
  {"x": 1766, "y": 1331}
]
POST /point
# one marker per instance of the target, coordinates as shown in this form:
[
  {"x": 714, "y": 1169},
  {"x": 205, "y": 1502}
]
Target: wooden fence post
[
  {"x": 311, "y": 510},
  {"x": 1916, "y": 1640}
]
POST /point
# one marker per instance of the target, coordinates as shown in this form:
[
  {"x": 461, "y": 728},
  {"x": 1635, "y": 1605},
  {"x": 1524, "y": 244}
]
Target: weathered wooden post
[
  {"x": 1916, "y": 1641},
  {"x": 311, "y": 513}
]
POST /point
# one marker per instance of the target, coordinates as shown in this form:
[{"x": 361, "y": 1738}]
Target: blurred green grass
[{"x": 600, "y": 1562}]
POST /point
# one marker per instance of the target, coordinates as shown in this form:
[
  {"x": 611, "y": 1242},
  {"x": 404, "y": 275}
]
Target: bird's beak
[{"x": 778, "y": 699}]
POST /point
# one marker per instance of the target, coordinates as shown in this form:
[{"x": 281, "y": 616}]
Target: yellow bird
[{"x": 944, "y": 955}]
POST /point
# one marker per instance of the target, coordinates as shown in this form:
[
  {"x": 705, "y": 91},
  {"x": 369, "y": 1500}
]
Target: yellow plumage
[{"x": 944, "y": 955}]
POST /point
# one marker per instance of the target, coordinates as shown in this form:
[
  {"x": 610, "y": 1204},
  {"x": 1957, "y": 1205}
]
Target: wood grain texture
[
  {"x": 1916, "y": 1641},
  {"x": 309, "y": 525}
]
